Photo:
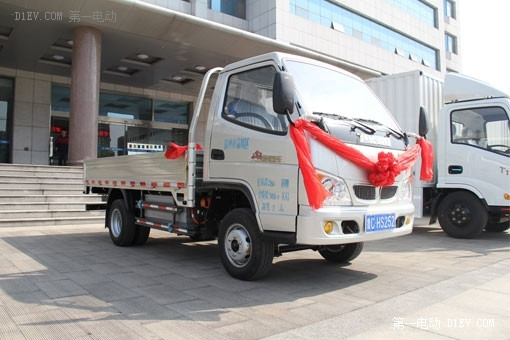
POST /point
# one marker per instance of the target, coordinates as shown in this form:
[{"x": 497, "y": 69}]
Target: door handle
[
  {"x": 217, "y": 154},
  {"x": 455, "y": 169}
]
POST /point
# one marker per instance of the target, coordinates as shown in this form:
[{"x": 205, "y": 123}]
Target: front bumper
[{"x": 310, "y": 224}]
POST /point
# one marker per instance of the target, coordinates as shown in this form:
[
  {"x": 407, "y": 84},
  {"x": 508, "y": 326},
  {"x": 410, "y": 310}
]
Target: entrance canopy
[{"x": 143, "y": 45}]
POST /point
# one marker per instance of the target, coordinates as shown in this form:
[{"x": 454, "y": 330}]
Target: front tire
[
  {"x": 342, "y": 253},
  {"x": 121, "y": 224},
  {"x": 245, "y": 254},
  {"x": 462, "y": 215}
]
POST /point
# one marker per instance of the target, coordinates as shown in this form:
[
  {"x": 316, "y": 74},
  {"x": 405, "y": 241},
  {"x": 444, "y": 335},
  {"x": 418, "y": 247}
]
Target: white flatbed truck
[
  {"x": 245, "y": 187},
  {"x": 470, "y": 131}
]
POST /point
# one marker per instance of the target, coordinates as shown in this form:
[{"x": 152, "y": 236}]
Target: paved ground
[{"x": 72, "y": 282}]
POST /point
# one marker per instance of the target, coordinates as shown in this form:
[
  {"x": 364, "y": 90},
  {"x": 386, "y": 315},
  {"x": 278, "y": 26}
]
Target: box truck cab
[
  {"x": 245, "y": 186},
  {"x": 473, "y": 158}
]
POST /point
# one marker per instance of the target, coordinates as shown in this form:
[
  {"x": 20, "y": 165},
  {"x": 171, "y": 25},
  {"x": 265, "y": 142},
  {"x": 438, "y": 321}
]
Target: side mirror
[
  {"x": 283, "y": 93},
  {"x": 423, "y": 125}
]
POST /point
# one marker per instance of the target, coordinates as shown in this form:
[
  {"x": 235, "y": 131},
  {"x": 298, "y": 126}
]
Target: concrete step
[
  {"x": 28, "y": 214},
  {"x": 50, "y": 172},
  {"x": 50, "y": 168},
  {"x": 86, "y": 199},
  {"x": 30, "y": 206},
  {"x": 28, "y": 222},
  {"x": 41, "y": 186},
  {"x": 48, "y": 178}
]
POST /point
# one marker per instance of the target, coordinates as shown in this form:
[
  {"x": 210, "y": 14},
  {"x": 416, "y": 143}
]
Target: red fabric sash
[
  {"x": 175, "y": 151},
  {"x": 381, "y": 173}
]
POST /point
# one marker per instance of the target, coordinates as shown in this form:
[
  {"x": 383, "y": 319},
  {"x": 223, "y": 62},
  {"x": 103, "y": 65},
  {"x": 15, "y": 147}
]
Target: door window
[
  {"x": 487, "y": 128},
  {"x": 249, "y": 101}
]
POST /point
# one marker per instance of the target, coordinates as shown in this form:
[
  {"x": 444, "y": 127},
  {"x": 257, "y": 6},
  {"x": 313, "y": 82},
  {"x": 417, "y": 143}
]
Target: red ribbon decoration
[
  {"x": 175, "y": 151},
  {"x": 381, "y": 173}
]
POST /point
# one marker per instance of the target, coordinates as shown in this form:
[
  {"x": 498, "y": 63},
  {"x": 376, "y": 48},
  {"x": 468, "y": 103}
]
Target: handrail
[{"x": 192, "y": 152}]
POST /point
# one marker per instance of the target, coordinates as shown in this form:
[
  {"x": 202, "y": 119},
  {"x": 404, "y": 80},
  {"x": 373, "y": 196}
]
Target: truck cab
[{"x": 473, "y": 161}]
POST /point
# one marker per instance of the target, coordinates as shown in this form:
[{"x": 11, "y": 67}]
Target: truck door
[
  {"x": 479, "y": 153},
  {"x": 251, "y": 146}
]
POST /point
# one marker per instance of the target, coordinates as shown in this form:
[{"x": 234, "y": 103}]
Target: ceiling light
[
  {"x": 58, "y": 57},
  {"x": 176, "y": 78},
  {"x": 142, "y": 56},
  {"x": 70, "y": 42},
  {"x": 199, "y": 67},
  {"x": 122, "y": 68}
]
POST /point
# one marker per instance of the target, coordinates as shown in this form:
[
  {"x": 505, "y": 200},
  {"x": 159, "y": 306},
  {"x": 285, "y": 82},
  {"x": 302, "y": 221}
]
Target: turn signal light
[{"x": 507, "y": 197}]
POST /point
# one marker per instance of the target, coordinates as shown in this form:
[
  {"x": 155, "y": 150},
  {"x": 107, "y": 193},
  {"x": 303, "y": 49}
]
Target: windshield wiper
[
  {"x": 355, "y": 124},
  {"x": 389, "y": 131}
]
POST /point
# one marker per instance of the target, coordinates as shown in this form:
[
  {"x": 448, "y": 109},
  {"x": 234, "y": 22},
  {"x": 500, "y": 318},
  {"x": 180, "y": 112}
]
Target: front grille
[
  {"x": 388, "y": 192},
  {"x": 364, "y": 192},
  {"x": 368, "y": 192}
]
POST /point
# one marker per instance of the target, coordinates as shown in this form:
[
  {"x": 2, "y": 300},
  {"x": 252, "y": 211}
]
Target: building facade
[{"x": 122, "y": 75}]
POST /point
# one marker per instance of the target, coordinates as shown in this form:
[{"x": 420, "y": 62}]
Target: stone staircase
[{"x": 46, "y": 195}]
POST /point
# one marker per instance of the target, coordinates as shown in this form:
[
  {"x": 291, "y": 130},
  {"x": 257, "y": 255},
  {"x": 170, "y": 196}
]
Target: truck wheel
[
  {"x": 497, "y": 227},
  {"x": 342, "y": 253},
  {"x": 121, "y": 224},
  {"x": 462, "y": 215},
  {"x": 141, "y": 235},
  {"x": 243, "y": 252}
]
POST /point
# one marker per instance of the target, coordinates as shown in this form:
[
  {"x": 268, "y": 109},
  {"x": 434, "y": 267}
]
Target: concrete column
[{"x": 85, "y": 78}]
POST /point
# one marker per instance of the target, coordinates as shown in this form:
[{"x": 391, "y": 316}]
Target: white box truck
[
  {"x": 245, "y": 186},
  {"x": 470, "y": 130}
]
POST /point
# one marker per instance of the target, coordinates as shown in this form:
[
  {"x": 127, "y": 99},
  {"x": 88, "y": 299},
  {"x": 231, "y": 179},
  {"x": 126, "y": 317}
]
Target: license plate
[{"x": 379, "y": 222}]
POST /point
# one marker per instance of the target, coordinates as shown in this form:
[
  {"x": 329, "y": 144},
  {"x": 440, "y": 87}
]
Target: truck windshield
[{"x": 325, "y": 90}]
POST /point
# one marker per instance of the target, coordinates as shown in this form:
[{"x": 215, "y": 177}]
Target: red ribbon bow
[{"x": 381, "y": 173}]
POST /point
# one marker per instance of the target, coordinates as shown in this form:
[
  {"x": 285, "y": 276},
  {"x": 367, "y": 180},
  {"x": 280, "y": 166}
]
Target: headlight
[
  {"x": 405, "y": 191},
  {"x": 338, "y": 189}
]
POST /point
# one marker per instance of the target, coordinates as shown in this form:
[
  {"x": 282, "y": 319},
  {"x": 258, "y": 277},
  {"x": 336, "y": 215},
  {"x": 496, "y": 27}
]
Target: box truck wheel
[
  {"x": 342, "y": 253},
  {"x": 497, "y": 227},
  {"x": 121, "y": 223},
  {"x": 243, "y": 252},
  {"x": 462, "y": 215}
]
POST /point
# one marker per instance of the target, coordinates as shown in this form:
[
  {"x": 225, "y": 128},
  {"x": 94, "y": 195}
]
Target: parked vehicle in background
[{"x": 470, "y": 131}]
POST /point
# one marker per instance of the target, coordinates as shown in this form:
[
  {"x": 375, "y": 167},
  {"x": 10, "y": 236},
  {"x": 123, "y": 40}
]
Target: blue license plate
[{"x": 379, "y": 222}]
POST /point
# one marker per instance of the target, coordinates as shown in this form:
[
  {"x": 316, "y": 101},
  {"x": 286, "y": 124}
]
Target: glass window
[
  {"x": 60, "y": 98},
  {"x": 487, "y": 128},
  {"x": 249, "y": 101},
  {"x": 450, "y": 43},
  {"x": 124, "y": 106},
  {"x": 6, "y": 101},
  {"x": 418, "y": 9},
  {"x": 170, "y": 112},
  {"x": 449, "y": 9},
  {"x": 119, "y": 139},
  {"x": 236, "y": 8},
  {"x": 365, "y": 29}
]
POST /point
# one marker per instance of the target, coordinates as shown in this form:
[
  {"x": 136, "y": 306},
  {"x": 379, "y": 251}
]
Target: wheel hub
[
  {"x": 460, "y": 214},
  {"x": 116, "y": 223},
  {"x": 238, "y": 245}
]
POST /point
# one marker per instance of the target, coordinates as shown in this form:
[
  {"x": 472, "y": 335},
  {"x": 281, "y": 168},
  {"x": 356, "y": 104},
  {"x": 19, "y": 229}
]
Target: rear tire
[
  {"x": 342, "y": 253},
  {"x": 497, "y": 227},
  {"x": 462, "y": 215},
  {"x": 141, "y": 235},
  {"x": 121, "y": 224},
  {"x": 245, "y": 254}
]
